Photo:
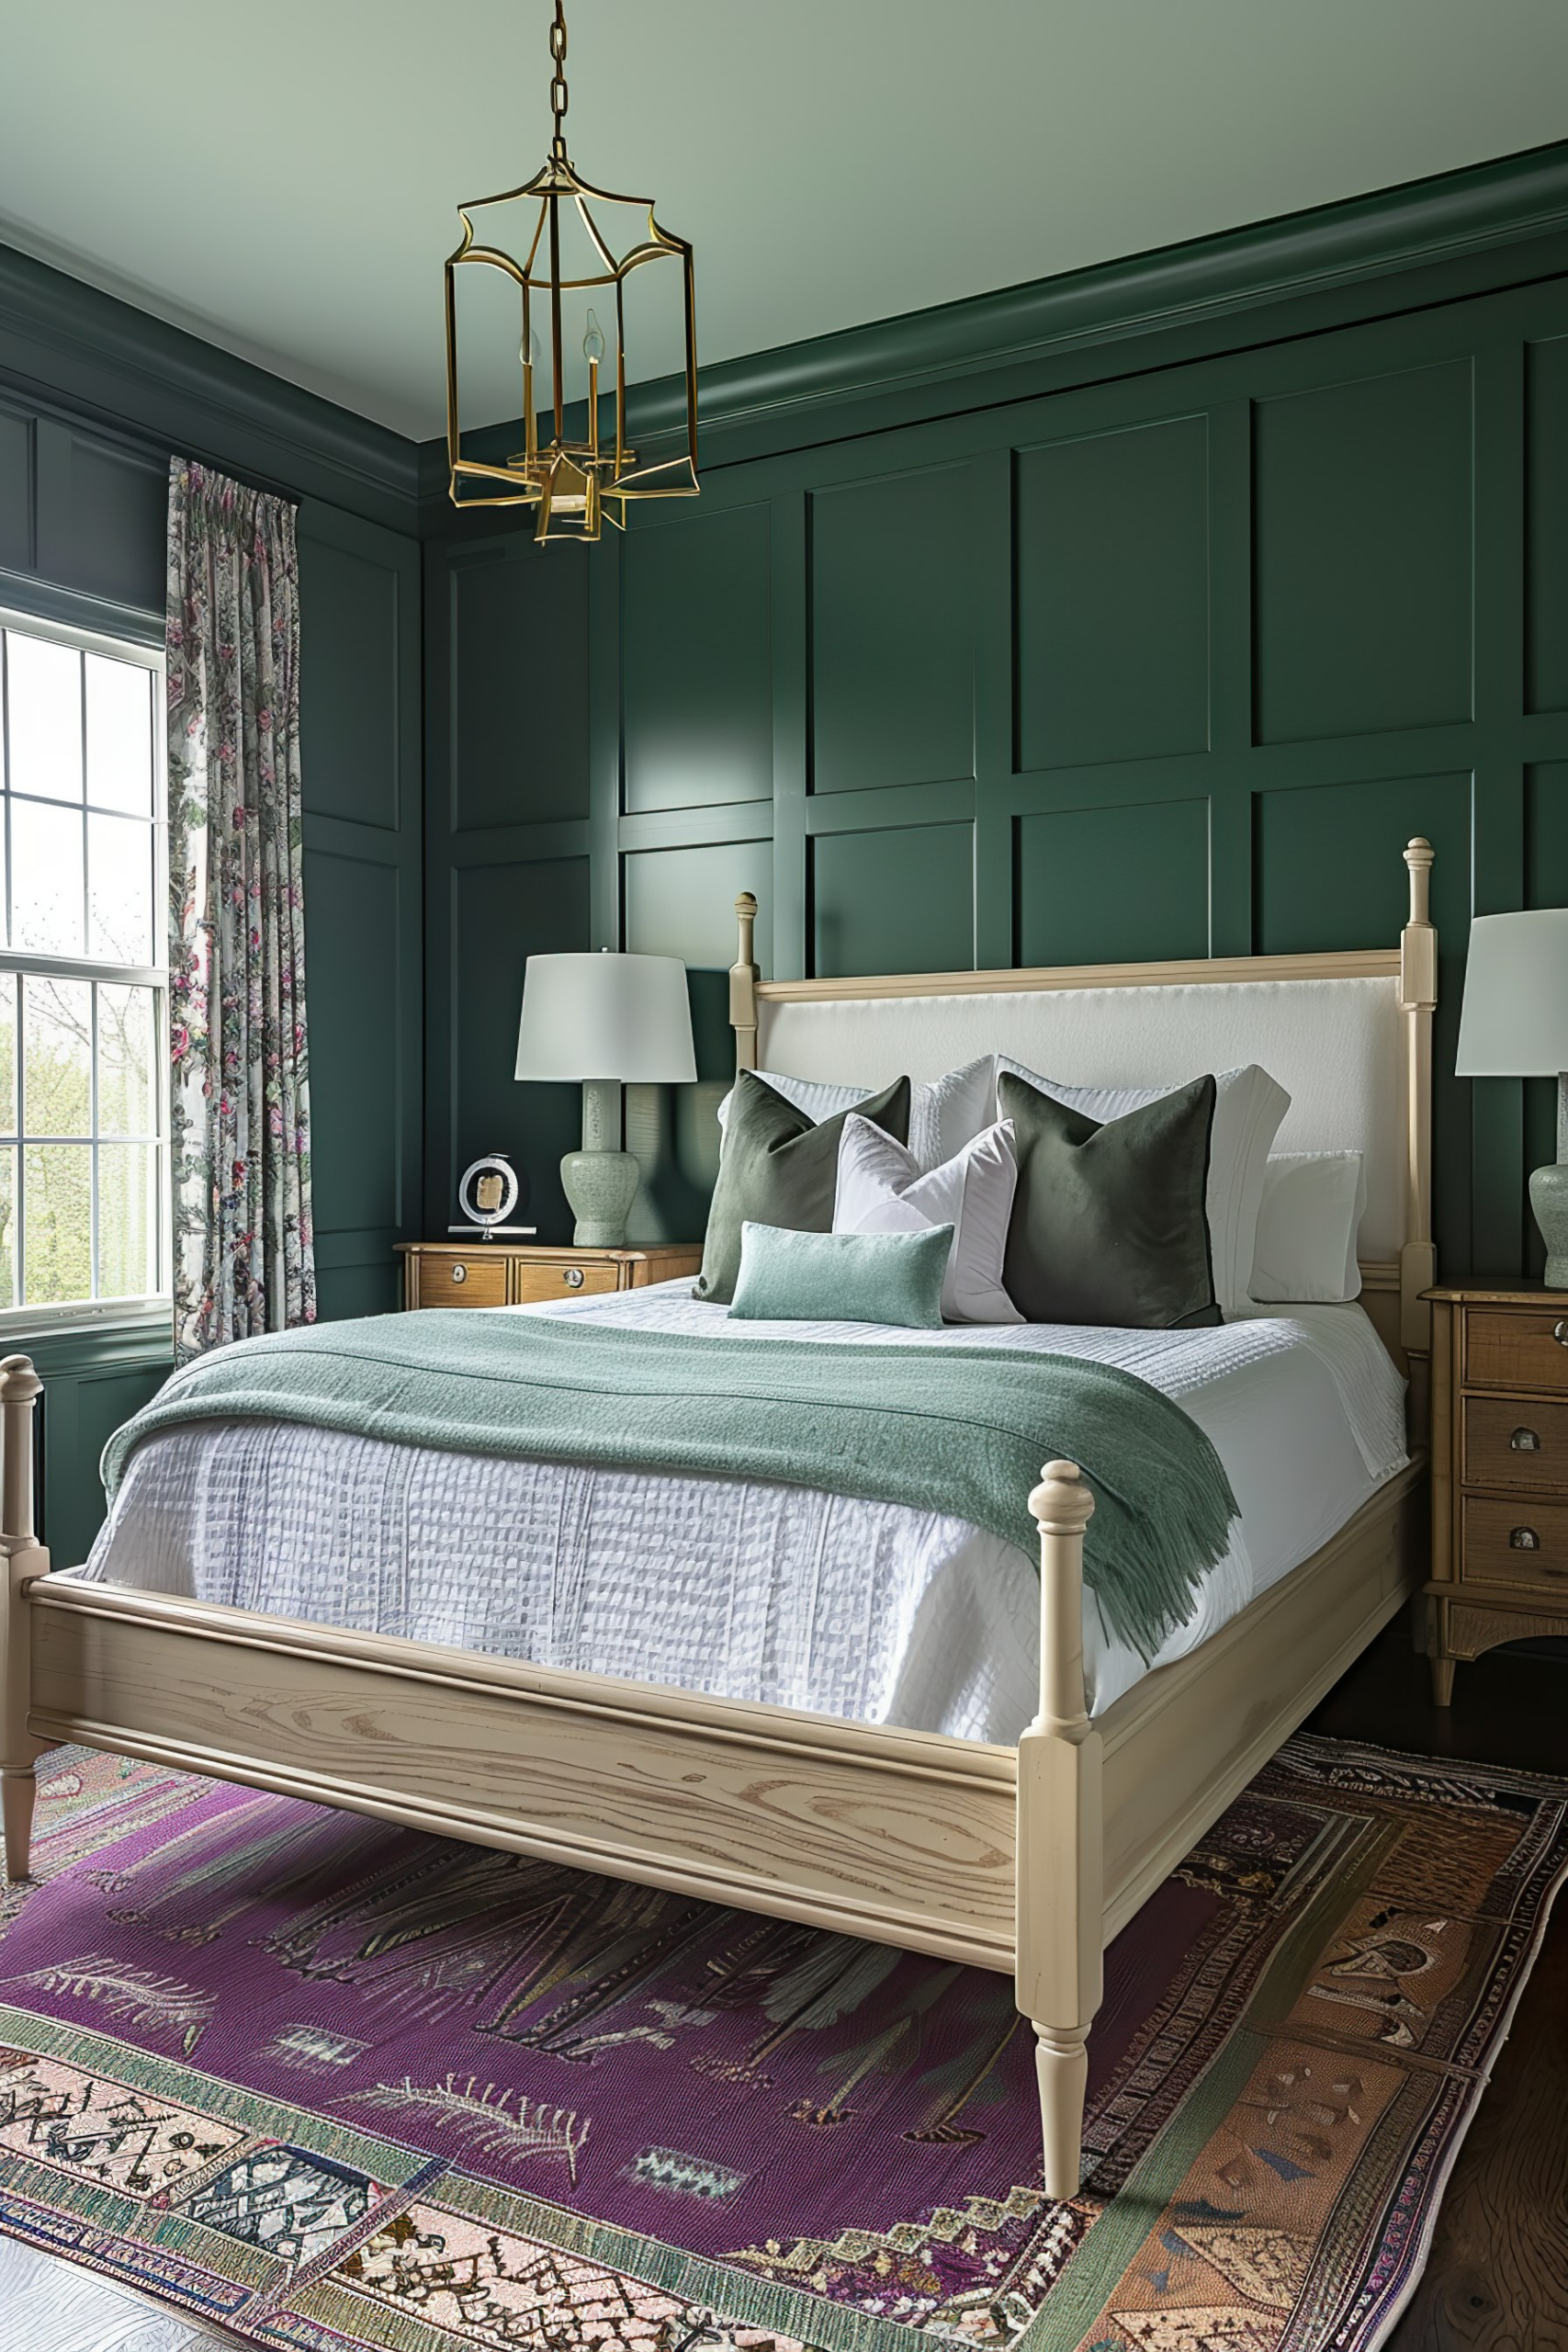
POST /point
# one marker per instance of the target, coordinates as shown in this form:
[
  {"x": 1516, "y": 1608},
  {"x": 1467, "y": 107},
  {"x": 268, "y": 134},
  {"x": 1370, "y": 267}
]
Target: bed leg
[
  {"x": 23, "y": 1558},
  {"x": 1061, "y": 1863}
]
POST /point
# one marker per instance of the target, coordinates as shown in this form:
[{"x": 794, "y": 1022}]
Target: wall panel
[
  {"x": 359, "y": 730},
  {"x": 1546, "y": 540},
  {"x": 351, "y": 599},
  {"x": 1113, "y": 884},
  {"x": 681, "y": 901},
  {"x": 899, "y": 899},
  {"x": 1363, "y": 546},
  {"x": 520, "y": 697},
  {"x": 698, "y": 697},
  {"x": 1112, "y": 534},
  {"x": 892, "y": 585}
]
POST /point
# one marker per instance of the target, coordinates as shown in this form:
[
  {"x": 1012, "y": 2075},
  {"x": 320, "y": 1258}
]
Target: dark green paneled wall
[
  {"x": 82, "y": 538},
  {"x": 1167, "y": 663}
]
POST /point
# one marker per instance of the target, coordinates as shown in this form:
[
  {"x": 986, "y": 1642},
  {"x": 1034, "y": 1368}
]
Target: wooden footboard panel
[{"x": 902, "y": 1837}]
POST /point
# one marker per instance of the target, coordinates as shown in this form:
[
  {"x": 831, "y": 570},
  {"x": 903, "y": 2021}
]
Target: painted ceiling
[{"x": 282, "y": 177}]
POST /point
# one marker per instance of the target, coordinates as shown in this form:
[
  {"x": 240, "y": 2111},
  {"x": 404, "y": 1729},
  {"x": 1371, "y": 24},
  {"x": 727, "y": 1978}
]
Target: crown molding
[
  {"x": 1356, "y": 243},
  {"x": 73, "y": 349}
]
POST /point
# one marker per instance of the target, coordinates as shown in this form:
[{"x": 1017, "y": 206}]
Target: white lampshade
[
  {"x": 622, "y": 1017},
  {"x": 1514, "y": 1020}
]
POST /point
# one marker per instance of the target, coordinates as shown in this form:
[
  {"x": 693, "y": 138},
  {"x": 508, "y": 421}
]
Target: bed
[{"x": 915, "y": 1805}]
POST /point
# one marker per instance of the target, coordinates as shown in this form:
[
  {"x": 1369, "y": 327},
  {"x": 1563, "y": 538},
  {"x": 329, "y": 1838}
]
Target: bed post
[
  {"x": 23, "y": 1558},
  {"x": 743, "y": 979},
  {"x": 1061, "y": 1861},
  {"x": 1417, "y": 1003}
]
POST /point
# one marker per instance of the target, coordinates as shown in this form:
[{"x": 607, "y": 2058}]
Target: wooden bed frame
[{"x": 1026, "y": 1860}]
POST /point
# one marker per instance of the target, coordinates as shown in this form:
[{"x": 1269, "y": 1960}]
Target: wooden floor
[{"x": 1497, "y": 2280}]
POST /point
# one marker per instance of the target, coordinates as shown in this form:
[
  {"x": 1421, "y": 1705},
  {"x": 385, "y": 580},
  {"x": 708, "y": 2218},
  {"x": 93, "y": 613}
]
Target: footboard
[{"x": 897, "y": 1836}]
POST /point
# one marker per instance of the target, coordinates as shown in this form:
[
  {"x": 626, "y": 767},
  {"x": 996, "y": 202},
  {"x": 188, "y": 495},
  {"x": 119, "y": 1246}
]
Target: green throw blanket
[{"x": 955, "y": 1429}]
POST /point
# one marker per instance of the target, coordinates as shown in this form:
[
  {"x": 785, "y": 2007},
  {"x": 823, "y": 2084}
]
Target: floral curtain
[{"x": 243, "y": 1260}]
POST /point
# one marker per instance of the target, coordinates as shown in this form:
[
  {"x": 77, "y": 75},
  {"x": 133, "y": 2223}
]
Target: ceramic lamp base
[
  {"x": 600, "y": 1187},
  {"x": 1549, "y": 1200}
]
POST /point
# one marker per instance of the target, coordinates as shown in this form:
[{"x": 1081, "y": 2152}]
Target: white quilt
[{"x": 869, "y": 1610}]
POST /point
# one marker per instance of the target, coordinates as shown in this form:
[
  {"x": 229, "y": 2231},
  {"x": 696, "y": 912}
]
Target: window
[{"x": 84, "y": 1224}]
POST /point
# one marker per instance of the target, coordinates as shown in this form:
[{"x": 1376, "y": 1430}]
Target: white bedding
[{"x": 872, "y": 1612}]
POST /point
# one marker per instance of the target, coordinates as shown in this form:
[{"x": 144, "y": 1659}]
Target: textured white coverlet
[{"x": 872, "y": 1612}]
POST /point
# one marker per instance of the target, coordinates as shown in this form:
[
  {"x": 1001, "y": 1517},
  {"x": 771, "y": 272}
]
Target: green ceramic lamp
[
  {"x": 1514, "y": 1024},
  {"x": 609, "y": 1021}
]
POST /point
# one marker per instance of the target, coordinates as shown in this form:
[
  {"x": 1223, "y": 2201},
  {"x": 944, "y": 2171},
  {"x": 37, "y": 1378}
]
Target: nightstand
[
  {"x": 505, "y": 1273},
  {"x": 1499, "y": 1469}
]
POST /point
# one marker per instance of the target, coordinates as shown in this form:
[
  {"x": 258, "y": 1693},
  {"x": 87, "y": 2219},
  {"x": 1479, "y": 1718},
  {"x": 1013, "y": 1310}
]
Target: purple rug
[{"x": 327, "y": 2083}]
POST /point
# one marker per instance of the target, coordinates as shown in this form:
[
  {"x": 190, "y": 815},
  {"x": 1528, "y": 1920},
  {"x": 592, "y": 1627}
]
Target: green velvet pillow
[
  {"x": 779, "y": 1169},
  {"x": 1109, "y": 1223},
  {"x": 842, "y": 1277}
]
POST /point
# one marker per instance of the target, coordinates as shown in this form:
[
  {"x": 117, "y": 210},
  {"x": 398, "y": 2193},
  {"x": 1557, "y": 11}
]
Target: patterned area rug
[{"x": 327, "y": 2084}]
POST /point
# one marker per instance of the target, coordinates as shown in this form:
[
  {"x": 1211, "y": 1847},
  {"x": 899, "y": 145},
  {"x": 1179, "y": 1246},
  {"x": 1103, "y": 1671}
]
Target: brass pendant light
[{"x": 567, "y": 252}]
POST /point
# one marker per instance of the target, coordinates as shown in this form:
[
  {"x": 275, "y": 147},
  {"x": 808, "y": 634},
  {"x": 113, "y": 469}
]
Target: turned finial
[
  {"x": 1062, "y": 1502},
  {"x": 19, "y": 1384},
  {"x": 1419, "y": 856}
]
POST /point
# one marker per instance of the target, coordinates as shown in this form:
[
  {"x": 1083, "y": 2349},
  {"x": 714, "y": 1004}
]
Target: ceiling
[{"x": 282, "y": 177}]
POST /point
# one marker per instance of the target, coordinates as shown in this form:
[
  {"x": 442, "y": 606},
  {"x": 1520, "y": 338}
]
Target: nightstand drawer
[
  {"x": 569, "y": 1278},
  {"x": 1515, "y": 1441},
  {"x": 461, "y": 1278},
  {"x": 1516, "y": 1349},
  {"x": 1515, "y": 1542}
]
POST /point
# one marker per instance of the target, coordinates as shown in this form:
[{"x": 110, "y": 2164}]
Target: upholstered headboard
[{"x": 1347, "y": 1034}]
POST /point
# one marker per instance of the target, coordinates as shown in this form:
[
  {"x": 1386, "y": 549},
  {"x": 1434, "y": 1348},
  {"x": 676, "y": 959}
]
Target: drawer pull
[
  {"x": 1525, "y": 1441},
  {"x": 572, "y": 1277},
  {"x": 1560, "y": 1333},
  {"x": 1524, "y": 1539},
  {"x": 460, "y": 1273}
]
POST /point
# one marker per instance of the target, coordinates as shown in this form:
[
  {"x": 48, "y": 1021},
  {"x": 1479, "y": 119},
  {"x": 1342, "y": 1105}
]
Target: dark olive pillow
[
  {"x": 1108, "y": 1222},
  {"x": 779, "y": 1169}
]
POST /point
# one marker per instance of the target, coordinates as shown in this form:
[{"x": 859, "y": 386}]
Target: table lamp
[
  {"x": 610, "y": 1021},
  {"x": 1514, "y": 1024}
]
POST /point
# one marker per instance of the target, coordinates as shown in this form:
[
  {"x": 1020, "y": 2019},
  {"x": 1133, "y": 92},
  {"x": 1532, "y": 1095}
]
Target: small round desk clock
[{"x": 488, "y": 1193}]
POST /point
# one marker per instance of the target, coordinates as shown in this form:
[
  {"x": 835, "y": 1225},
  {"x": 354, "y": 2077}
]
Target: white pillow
[
  {"x": 945, "y": 1112},
  {"x": 1311, "y": 1215},
  {"x": 1249, "y": 1107},
  {"x": 881, "y": 1190}
]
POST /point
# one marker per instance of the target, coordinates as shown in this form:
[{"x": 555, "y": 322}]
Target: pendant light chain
[{"x": 558, "y": 81}]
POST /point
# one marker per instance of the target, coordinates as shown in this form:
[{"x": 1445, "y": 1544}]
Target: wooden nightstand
[
  {"x": 505, "y": 1273},
  {"x": 1499, "y": 1469}
]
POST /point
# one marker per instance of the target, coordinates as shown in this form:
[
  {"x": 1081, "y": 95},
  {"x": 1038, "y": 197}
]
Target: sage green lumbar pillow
[
  {"x": 842, "y": 1277},
  {"x": 780, "y": 1167},
  {"x": 1109, "y": 1222}
]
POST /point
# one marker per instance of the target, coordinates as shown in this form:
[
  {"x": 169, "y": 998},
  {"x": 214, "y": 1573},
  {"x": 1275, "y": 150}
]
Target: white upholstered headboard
[{"x": 1349, "y": 1035}]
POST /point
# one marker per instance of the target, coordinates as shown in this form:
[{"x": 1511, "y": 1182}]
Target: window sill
[{"x": 73, "y": 1338}]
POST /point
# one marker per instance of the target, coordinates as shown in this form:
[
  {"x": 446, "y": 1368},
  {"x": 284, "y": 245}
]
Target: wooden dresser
[
  {"x": 505, "y": 1273},
  {"x": 1499, "y": 1469}
]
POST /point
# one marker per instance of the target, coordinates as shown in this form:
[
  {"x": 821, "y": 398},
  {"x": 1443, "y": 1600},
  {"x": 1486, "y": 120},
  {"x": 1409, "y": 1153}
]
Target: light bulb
[
  {"x": 592, "y": 342},
  {"x": 528, "y": 351}
]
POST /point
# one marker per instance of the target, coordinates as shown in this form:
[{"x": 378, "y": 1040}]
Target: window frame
[{"x": 156, "y": 1306}]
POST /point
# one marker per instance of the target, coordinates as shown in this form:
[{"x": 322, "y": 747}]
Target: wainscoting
[{"x": 1169, "y": 662}]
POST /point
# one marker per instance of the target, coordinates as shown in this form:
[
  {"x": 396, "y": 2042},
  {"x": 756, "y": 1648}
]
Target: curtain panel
[{"x": 241, "y": 1120}]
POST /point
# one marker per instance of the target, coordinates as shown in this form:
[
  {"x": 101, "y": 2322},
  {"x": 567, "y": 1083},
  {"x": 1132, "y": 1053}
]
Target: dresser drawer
[
  {"x": 1516, "y": 1441},
  {"x": 1517, "y": 1349},
  {"x": 460, "y": 1278},
  {"x": 1524, "y": 1542},
  {"x": 533, "y": 1282}
]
